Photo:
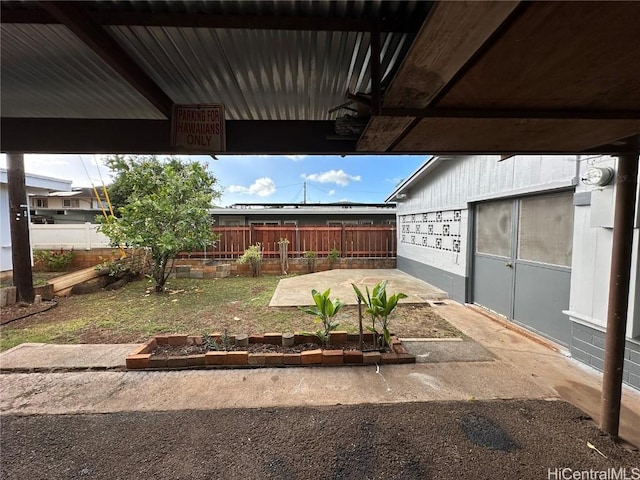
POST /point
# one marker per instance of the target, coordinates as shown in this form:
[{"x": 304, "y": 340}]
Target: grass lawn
[{"x": 239, "y": 304}]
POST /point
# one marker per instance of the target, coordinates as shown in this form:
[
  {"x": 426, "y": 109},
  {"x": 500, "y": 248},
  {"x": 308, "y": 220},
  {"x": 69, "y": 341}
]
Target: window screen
[
  {"x": 494, "y": 228},
  {"x": 546, "y": 229}
]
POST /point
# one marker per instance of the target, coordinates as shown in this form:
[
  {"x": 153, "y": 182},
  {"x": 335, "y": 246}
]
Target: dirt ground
[
  {"x": 408, "y": 321},
  {"x": 436, "y": 440}
]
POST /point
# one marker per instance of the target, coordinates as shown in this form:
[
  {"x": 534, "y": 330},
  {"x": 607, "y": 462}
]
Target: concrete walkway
[
  {"x": 296, "y": 291},
  {"x": 520, "y": 368}
]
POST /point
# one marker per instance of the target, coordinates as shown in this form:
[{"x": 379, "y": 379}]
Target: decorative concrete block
[
  {"x": 178, "y": 340},
  {"x": 273, "y": 338},
  {"x": 176, "y": 362},
  {"x": 338, "y": 337},
  {"x": 273, "y": 358},
  {"x": 352, "y": 356},
  {"x": 139, "y": 361},
  {"x": 332, "y": 357},
  {"x": 311, "y": 357},
  {"x": 237, "y": 358},
  {"x": 291, "y": 359},
  {"x": 215, "y": 358},
  {"x": 371, "y": 357}
]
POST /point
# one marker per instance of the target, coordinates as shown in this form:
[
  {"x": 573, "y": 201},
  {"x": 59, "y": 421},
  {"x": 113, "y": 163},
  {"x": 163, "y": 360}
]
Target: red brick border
[{"x": 140, "y": 358}]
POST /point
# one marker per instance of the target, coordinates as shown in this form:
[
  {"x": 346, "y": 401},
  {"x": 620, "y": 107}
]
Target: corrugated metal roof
[
  {"x": 258, "y": 74},
  {"x": 48, "y": 72}
]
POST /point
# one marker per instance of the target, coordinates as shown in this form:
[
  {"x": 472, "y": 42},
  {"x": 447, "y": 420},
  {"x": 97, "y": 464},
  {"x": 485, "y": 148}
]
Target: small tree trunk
[{"x": 360, "y": 323}]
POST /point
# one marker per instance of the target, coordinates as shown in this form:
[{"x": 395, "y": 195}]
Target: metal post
[
  {"x": 19, "y": 222},
  {"x": 626, "y": 185}
]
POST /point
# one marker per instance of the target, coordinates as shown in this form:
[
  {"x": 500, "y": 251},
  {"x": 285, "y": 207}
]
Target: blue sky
[{"x": 263, "y": 178}]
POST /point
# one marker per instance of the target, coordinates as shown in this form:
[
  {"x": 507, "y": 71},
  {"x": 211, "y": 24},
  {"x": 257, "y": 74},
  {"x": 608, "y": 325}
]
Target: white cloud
[
  {"x": 296, "y": 158},
  {"x": 339, "y": 177},
  {"x": 332, "y": 192},
  {"x": 262, "y": 187}
]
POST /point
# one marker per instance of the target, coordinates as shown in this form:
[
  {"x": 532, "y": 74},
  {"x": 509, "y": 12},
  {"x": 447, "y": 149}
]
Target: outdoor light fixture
[
  {"x": 598, "y": 176},
  {"x": 401, "y": 196}
]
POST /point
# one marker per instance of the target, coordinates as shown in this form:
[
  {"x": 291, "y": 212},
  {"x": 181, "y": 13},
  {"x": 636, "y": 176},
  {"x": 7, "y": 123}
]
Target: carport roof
[{"x": 452, "y": 77}]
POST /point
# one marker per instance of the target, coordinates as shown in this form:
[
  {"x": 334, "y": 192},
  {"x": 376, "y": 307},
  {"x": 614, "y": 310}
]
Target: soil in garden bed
[{"x": 163, "y": 351}]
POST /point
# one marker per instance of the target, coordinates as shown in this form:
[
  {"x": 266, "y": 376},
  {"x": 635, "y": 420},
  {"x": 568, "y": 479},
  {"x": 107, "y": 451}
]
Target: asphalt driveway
[{"x": 463, "y": 440}]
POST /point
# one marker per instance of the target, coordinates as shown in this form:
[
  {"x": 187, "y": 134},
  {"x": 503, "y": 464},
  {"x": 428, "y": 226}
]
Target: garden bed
[{"x": 268, "y": 350}]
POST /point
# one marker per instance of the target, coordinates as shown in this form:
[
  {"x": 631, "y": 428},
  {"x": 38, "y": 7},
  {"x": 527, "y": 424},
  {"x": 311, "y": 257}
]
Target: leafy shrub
[
  {"x": 380, "y": 307},
  {"x": 222, "y": 344},
  {"x": 53, "y": 260},
  {"x": 324, "y": 310},
  {"x": 333, "y": 257},
  {"x": 252, "y": 256},
  {"x": 310, "y": 257}
]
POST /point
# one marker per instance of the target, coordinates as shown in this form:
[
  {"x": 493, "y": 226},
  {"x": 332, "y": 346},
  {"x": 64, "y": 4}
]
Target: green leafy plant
[
  {"x": 333, "y": 257},
  {"x": 164, "y": 209},
  {"x": 380, "y": 307},
  {"x": 325, "y": 311},
  {"x": 310, "y": 258},
  {"x": 53, "y": 260},
  {"x": 252, "y": 256},
  {"x": 222, "y": 343},
  {"x": 114, "y": 268}
]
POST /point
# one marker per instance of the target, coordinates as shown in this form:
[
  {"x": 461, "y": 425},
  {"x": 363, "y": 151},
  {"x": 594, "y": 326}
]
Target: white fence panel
[{"x": 79, "y": 237}]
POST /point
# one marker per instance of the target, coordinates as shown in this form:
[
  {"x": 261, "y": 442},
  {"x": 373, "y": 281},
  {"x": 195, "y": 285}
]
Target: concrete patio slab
[
  {"x": 296, "y": 291},
  {"x": 43, "y": 356}
]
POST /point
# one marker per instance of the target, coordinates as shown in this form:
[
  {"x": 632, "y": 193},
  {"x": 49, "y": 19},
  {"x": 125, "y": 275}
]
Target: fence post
[
  {"x": 343, "y": 241},
  {"x": 87, "y": 236}
]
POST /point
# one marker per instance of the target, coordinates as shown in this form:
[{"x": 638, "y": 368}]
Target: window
[
  {"x": 268, "y": 223},
  {"x": 70, "y": 202},
  {"x": 494, "y": 228},
  {"x": 39, "y": 202},
  {"x": 231, "y": 221},
  {"x": 291, "y": 223},
  {"x": 546, "y": 229},
  {"x": 366, "y": 222},
  {"x": 339, "y": 223}
]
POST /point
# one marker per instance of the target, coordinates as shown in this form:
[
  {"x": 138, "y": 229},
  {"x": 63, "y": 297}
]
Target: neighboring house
[
  {"x": 37, "y": 185},
  {"x": 301, "y": 214},
  {"x": 76, "y": 206},
  {"x": 523, "y": 237}
]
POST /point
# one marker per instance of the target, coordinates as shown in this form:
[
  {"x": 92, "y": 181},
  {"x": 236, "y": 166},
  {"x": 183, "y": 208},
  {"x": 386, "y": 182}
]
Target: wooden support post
[{"x": 19, "y": 222}]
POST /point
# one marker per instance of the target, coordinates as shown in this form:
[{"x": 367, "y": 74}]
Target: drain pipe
[{"x": 626, "y": 185}]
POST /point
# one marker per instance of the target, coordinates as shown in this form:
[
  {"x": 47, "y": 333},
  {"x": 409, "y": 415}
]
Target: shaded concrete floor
[{"x": 296, "y": 291}]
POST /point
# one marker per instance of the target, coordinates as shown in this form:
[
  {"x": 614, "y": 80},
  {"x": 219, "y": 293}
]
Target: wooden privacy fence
[{"x": 350, "y": 241}]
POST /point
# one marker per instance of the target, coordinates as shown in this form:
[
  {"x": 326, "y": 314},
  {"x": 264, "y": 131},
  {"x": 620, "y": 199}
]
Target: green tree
[{"x": 165, "y": 211}]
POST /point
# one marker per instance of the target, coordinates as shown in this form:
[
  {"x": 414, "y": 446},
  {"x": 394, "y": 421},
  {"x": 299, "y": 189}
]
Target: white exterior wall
[
  {"x": 36, "y": 185},
  {"x": 453, "y": 184},
  {"x": 77, "y": 236},
  {"x": 591, "y": 263},
  {"x": 5, "y": 230}
]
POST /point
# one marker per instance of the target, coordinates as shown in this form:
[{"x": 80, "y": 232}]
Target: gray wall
[
  {"x": 451, "y": 283},
  {"x": 587, "y": 345}
]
